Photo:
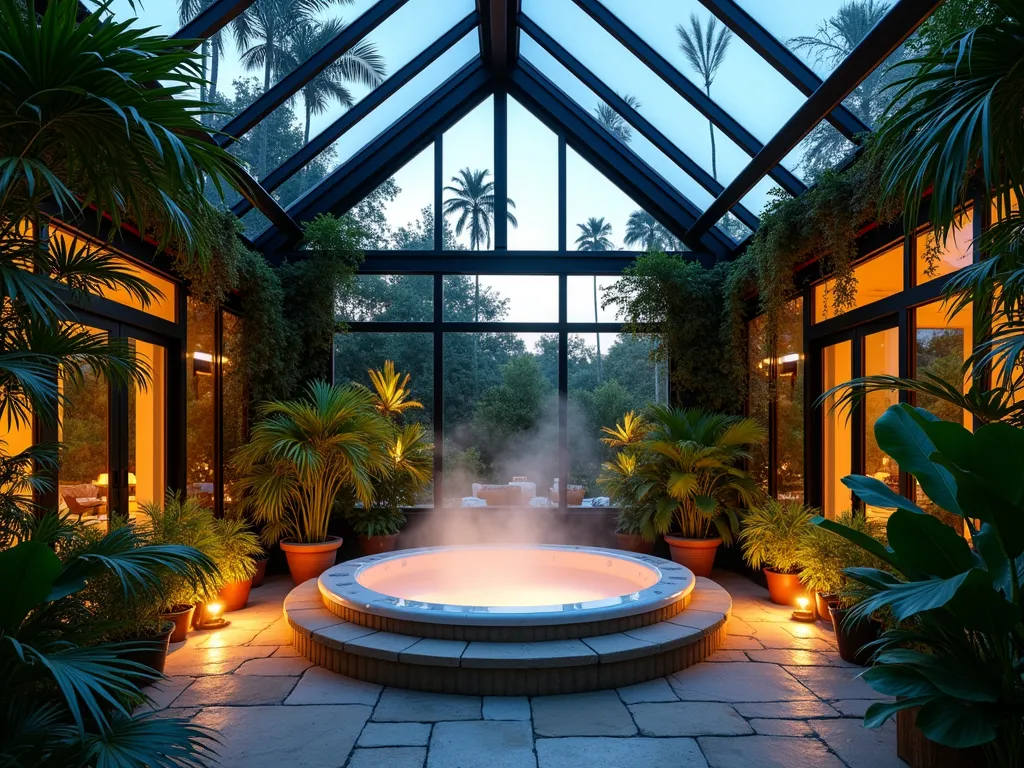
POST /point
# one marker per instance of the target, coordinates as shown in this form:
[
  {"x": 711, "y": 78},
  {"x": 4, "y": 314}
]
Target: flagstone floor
[{"x": 777, "y": 694}]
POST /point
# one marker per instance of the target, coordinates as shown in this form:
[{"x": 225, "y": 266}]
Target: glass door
[{"x": 144, "y": 477}]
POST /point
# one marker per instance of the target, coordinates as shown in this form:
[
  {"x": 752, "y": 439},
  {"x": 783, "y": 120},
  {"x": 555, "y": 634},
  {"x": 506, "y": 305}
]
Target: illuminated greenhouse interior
[{"x": 512, "y": 383}]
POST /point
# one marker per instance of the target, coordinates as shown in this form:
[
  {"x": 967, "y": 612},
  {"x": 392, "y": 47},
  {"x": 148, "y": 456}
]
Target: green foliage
[
  {"x": 686, "y": 473},
  {"x": 681, "y": 303},
  {"x": 823, "y": 555},
  {"x": 956, "y": 648},
  {"x": 303, "y": 453},
  {"x": 771, "y": 534},
  {"x": 518, "y": 403},
  {"x": 66, "y": 692}
]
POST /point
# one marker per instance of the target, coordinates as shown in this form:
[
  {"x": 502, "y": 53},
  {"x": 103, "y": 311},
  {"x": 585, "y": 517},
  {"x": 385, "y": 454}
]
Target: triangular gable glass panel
[
  {"x": 367, "y": 129},
  {"x": 624, "y": 73},
  {"x": 341, "y": 86},
  {"x": 587, "y": 100},
  {"x": 467, "y": 168},
  {"x": 743, "y": 84},
  {"x": 399, "y": 214},
  {"x": 601, "y": 217},
  {"x": 823, "y": 32},
  {"x": 532, "y": 181}
]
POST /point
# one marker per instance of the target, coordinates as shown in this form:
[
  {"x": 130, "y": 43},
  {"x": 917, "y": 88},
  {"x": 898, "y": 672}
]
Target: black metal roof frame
[{"x": 499, "y": 70}]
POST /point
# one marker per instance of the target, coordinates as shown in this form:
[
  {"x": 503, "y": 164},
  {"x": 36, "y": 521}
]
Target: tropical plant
[
  {"x": 212, "y": 48},
  {"x": 391, "y": 393},
  {"x": 705, "y": 50},
  {"x": 304, "y": 452},
  {"x": 66, "y": 694},
  {"x": 472, "y": 200},
  {"x": 183, "y": 521},
  {"x": 361, "y": 64},
  {"x": 629, "y": 431},
  {"x": 594, "y": 235},
  {"x": 644, "y": 230},
  {"x": 689, "y": 469},
  {"x": 613, "y": 122},
  {"x": 824, "y": 555},
  {"x": 238, "y": 551},
  {"x": 956, "y": 646},
  {"x": 771, "y": 535}
]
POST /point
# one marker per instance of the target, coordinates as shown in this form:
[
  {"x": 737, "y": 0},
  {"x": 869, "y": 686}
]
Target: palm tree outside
[
  {"x": 644, "y": 230},
  {"x": 613, "y": 122},
  {"x": 594, "y": 236},
  {"x": 705, "y": 49},
  {"x": 472, "y": 201},
  {"x": 212, "y": 49}
]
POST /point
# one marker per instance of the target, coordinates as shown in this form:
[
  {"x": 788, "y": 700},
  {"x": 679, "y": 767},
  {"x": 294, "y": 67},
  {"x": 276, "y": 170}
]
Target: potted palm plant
[
  {"x": 238, "y": 549},
  {"x": 770, "y": 539},
  {"x": 690, "y": 471},
  {"x": 301, "y": 455},
  {"x": 408, "y": 464},
  {"x": 633, "y": 528}
]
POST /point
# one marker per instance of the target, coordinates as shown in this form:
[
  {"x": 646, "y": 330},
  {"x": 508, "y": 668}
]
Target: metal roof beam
[
  {"x": 375, "y": 98},
  {"x": 499, "y": 34},
  {"x": 291, "y": 83},
  {"x": 688, "y": 90},
  {"x": 212, "y": 19},
  {"x": 620, "y": 164},
  {"x": 360, "y": 174},
  {"x": 630, "y": 114},
  {"x": 886, "y": 36},
  {"x": 785, "y": 62}
]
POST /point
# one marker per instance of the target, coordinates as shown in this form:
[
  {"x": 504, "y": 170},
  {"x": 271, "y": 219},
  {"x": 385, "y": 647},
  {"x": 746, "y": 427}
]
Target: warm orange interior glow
[
  {"x": 934, "y": 259},
  {"x": 879, "y": 277},
  {"x": 838, "y": 437}
]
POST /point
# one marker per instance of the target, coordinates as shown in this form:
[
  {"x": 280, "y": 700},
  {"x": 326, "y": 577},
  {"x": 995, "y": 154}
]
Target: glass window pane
[
  {"x": 734, "y": 228},
  {"x": 501, "y": 419},
  {"x": 232, "y": 401},
  {"x": 586, "y": 299},
  {"x": 199, "y": 403},
  {"x": 501, "y": 298},
  {"x": 759, "y": 394},
  {"x": 933, "y": 259},
  {"x": 824, "y": 148},
  {"x": 399, "y": 214},
  {"x": 82, "y": 430},
  {"x": 467, "y": 173},
  {"x": 355, "y": 354},
  {"x": 610, "y": 374},
  {"x": 838, "y": 433},
  {"x": 881, "y": 358},
  {"x": 389, "y": 298},
  {"x": 877, "y": 278},
  {"x": 743, "y": 83},
  {"x": 532, "y": 181},
  {"x": 147, "y": 434},
  {"x": 789, "y": 404}
]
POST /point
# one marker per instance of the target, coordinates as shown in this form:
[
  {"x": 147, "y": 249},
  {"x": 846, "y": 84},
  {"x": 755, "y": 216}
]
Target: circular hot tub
[{"x": 505, "y": 593}]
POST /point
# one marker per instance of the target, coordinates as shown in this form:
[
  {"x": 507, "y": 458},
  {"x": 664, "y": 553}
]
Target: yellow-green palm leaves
[
  {"x": 688, "y": 472},
  {"x": 629, "y": 431},
  {"x": 391, "y": 391},
  {"x": 304, "y": 452}
]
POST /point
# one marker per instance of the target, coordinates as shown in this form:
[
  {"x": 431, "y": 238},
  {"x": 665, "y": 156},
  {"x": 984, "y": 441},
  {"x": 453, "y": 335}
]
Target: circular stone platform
[{"x": 679, "y": 622}]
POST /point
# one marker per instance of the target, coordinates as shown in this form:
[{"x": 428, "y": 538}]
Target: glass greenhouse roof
[{"x": 702, "y": 111}]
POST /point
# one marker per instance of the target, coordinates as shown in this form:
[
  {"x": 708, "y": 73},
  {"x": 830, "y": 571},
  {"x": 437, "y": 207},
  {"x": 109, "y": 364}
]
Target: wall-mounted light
[{"x": 202, "y": 364}]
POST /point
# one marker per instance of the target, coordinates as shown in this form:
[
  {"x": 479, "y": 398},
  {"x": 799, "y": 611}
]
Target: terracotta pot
[
  {"x": 634, "y": 542},
  {"x": 696, "y": 554},
  {"x": 182, "y": 620},
  {"x": 784, "y": 588},
  {"x": 235, "y": 595},
  {"x": 154, "y": 655},
  {"x": 918, "y": 751},
  {"x": 851, "y": 638},
  {"x": 261, "y": 572},
  {"x": 308, "y": 561},
  {"x": 821, "y": 604},
  {"x": 375, "y": 545}
]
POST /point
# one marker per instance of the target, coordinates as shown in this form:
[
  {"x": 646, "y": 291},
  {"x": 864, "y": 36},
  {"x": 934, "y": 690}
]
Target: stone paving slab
[
  {"x": 506, "y": 708},
  {"x": 321, "y": 686},
  {"x": 275, "y": 666},
  {"x": 600, "y": 713},
  {"x": 666, "y": 635},
  {"x": 437, "y": 653},
  {"x": 336, "y": 635},
  {"x": 782, "y": 727},
  {"x": 278, "y": 633},
  {"x": 799, "y": 658},
  {"x": 212, "y": 661},
  {"x": 482, "y": 744},
  {"x": 766, "y": 752},
  {"x": 394, "y": 735},
  {"x": 306, "y": 621},
  {"x": 835, "y": 683},
  {"x": 741, "y": 681},
  {"x": 552, "y": 653},
  {"x": 787, "y": 709},
  {"x": 726, "y": 656},
  {"x": 861, "y": 747},
  {"x": 685, "y": 718},
  {"x": 620, "y": 753},
  {"x": 236, "y": 690},
  {"x": 163, "y": 692},
  {"x": 400, "y": 705},
  {"x": 380, "y": 645},
  {"x": 388, "y": 757},
  {"x": 271, "y": 737},
  {"x": 618, "y": 646},
  {"x": 651, "y": 691},
  {"x": 706, "y": 621},
  {"x": 855, "y": 707}
]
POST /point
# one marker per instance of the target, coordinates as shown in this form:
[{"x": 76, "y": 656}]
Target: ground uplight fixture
[
  {"x": 803, "y": 610},
  {"x": 210, "y": 616}
]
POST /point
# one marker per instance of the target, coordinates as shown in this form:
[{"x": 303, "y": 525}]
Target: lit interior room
[{"x": 511, "y": 383}]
